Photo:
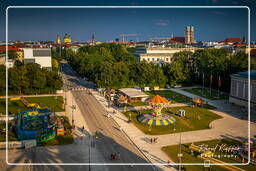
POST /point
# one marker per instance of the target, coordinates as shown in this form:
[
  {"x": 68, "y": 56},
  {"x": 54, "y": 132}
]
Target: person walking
[
  {"x": 169, "y": 163},
  {"x": 118, "y": 155}
]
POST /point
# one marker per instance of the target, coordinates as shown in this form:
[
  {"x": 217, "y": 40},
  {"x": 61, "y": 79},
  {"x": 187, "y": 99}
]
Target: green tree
[
  {"x": 12, "y": 54},
  {"x": 55, "y": 63},
  {"x": 2, "y": 79}
]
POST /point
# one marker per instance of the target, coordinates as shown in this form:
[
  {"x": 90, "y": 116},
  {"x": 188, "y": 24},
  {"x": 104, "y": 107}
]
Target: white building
[
  {"x": 41, "y": 56},
  {"x": 10, "y": 63},
  {"x": 239, "y": 89},
  {"x": 158, "y": 55}
]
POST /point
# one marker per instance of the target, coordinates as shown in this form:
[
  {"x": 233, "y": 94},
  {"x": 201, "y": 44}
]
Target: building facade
[
  {"x": 58, "y": 41},
  {"x": 158, "y": 55},
  {"x": 239, "y": 89},
  {"x": 67, "y": 39},
  {"x": 41, "y": 56}
]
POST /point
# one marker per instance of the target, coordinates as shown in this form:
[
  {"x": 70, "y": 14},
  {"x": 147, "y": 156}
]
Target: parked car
[{"x": 177, "y": 86}]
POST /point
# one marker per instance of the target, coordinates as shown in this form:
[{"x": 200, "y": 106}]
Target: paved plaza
[
  {"x": 227, "y": 127},
  {"x": 105, "y": 132}
]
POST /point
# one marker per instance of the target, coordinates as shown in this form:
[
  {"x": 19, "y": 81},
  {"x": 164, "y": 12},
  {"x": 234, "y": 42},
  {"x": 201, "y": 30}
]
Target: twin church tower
[{"x": 66, "y": 39}]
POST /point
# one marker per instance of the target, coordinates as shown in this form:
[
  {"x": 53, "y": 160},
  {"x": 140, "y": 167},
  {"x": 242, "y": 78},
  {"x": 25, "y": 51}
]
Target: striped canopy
[
  {"x": 158, "y": 99},
  {"x": 151, "y": 120}
]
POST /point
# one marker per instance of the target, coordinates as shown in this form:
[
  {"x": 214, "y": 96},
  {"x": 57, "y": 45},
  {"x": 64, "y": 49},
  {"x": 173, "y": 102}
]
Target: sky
[{"x": 212, "y": 24}]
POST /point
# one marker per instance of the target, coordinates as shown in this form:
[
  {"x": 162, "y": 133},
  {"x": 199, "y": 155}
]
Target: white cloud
[{"x": 162, "y": 22}]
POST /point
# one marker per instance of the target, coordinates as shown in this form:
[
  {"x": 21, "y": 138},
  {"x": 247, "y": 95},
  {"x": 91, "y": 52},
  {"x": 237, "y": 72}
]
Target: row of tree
[
  {"x": 208, "y": 67},
  {"x": 110, "y": 65},
  {"x": 30, "y": 79}
]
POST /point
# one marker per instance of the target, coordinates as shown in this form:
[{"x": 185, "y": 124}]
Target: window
[
  {"x": 233, "y": 88},
  {"x": 148, "y": 59},
  {"x": 246, "y": 90},
  {"x": 153, "y": 59},
  {"x": 157, "y": 59},
  {"x": 27, "y": 61},
  {"x": 166, "y": 59},
  {"x": 240, "y": 86},
  {"x": 253, "y": 93}
]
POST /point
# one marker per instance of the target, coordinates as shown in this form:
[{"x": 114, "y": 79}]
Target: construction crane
[
  {"x": 123, "y": 35},
  {"x": 159, "y": 38}
]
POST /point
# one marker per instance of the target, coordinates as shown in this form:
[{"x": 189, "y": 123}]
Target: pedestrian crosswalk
[{"x": 77, "y": 88}]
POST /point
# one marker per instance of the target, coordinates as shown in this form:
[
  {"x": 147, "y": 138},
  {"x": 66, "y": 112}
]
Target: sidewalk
[
  {"x": 227, "y": 127},
  {"x": 83, "y": 144},
  {"x": 222, "y": 105},
  {"x": 152, "y": 151}
]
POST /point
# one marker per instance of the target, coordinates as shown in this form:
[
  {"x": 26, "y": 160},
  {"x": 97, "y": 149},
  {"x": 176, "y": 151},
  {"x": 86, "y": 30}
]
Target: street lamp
[
  {"x": 211, "y": 65},
  {"x": 130, "y": 115},
  {"x": 90, "y": 144},
  {"x": 180, "y": 154},
  {"x": 73, "y": 107},
  {"x": 207, "y": 165},
  {"x": 203, "y": 84}
]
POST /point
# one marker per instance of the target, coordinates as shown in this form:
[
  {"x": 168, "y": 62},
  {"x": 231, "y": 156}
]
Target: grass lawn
[
  {"x": 172, "y": 152},
  {"x": 48, "y": 101},
  {"x": 170, "y": 95},
  {"x": 139, "y": 103},
  {"x": 11, "y": 135},
  {"x": 62, "y": 139},
  {"x": 192, "y": 123},
  {"x": 207, "y": 94},
  {"x": 51, "y": 102}
]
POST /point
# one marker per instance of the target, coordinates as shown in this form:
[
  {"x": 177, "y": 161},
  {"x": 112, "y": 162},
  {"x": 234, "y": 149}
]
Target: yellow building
[
  {"x": 67, "y": 39},
  {"x": 58, "y": 41},
  {"x": 20, "y": 55}
]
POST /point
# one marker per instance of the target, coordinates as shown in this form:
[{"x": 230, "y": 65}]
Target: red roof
[
  {"x": 231, "y": 40},
  {"x": 20, "y": 45},
  {"x": 177, "y": 40},
  {"x": 122, "y": 43},
  {"x": 14, "y": 48}
]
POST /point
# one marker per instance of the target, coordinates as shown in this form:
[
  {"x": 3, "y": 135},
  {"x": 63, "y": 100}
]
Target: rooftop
[
  {"x": 246, "y": 74},
  {"x": 132, "y": 92},
  {"x": 231, "y": 40},
  {"x": 158, "y": 99},
  {"x": 157, "y": 54}
]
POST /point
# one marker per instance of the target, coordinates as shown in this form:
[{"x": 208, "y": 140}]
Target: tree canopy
[
  {"x": 110, "y": 65},
  {"x": 31, "y": 79}
]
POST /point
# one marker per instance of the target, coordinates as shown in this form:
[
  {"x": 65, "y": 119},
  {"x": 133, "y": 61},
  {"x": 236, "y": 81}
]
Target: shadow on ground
[{"x": 78, "y": 153}]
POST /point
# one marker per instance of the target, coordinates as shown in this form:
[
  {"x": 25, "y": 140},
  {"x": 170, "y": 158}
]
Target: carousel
[{"x": 157, "y": 117}]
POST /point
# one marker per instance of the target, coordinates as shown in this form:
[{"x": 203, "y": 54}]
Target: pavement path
[
  {"x": 227, "y": 127},
  {"x": 39, "y": 95},
  {"x": 222, "y": 105},
  {"x": 106, "y": 136}
]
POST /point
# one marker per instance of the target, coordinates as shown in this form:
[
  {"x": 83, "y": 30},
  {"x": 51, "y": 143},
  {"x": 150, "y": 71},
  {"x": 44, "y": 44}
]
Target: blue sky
[{"x": 45, "y": 24}]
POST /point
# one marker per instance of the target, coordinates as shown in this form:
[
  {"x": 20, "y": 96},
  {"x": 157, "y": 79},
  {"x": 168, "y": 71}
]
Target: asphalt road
[
  {"x": 110, "y": 139},
  {"x": 107, "y": 136}
]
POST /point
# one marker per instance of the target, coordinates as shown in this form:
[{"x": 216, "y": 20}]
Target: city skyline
[{"x": 108, "y": 23}]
